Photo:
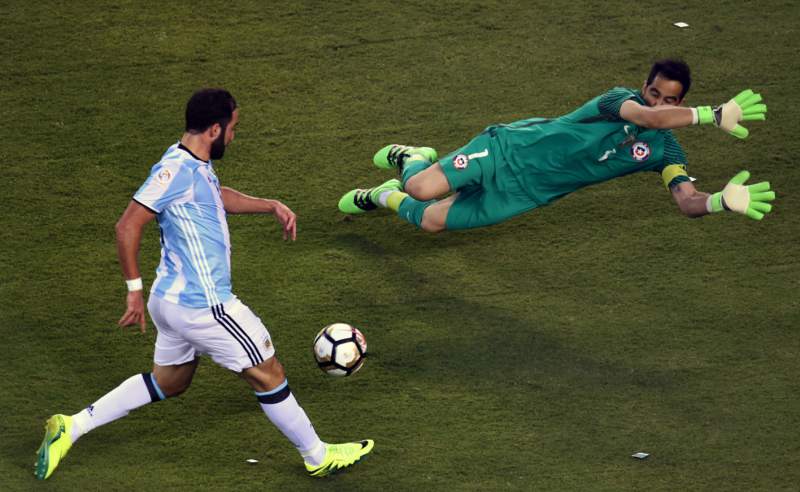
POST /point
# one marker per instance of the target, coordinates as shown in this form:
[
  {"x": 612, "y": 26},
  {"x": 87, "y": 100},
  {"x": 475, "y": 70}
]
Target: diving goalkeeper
[{"x": 512, "y": 168}]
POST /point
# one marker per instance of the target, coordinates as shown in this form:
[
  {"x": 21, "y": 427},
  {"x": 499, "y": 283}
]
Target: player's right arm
[
  {"x": 659, "y": 117},
  {"x": 169, "y": 182},
  {"x": 129, "y": 235},
  {"x": 746, "y": 106}
]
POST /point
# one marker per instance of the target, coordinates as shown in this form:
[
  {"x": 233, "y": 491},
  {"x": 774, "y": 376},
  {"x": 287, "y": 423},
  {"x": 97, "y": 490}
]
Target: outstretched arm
[
  {"x": 661, "y": 117},
  {"x": 750, "y": 200},
  {"x": 237, "y": 202},
  {"x": 691, "y": 201},
  {"x": 129, "y": 235},
  {"x": 744, "y": 107}
]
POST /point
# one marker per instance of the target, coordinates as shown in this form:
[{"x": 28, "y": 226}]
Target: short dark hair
[
  {"x": 209, "y": 106},
  {"x": 672, "y": 69}
]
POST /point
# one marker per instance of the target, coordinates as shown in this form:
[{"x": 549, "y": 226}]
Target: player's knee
[
  {"x": 432, "y": 223},
  {"x": 173, "y": 388},
  {"x": 172, "y": 381},
  {"x": 274, "y": 369},
  {"x": 265, "y": 376},
  {"x": 419, "y": 189}
]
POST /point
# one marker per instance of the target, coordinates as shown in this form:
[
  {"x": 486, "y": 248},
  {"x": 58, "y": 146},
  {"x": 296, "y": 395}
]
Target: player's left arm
[
  {"x": 236, "y": 202},
  {"x": 691, "y": 202},
  {"x": 748, "y": 200},
  {"x": 751, "y": 200}
]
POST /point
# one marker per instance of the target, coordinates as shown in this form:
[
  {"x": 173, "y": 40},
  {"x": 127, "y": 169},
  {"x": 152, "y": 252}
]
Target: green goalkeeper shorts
[{"x": 488, "y": 191}]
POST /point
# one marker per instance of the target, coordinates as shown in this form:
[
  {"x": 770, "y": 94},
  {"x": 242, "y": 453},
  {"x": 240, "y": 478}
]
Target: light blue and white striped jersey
[{"x": 195, "y": 267}]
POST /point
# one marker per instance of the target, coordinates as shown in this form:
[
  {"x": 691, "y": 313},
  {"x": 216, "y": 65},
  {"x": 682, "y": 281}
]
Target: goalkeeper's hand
[
  {"x": 749, "y": 200},
  {"x": 743, "y": 107}
]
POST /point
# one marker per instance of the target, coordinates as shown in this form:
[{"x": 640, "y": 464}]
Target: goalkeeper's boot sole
[
  {"x": 55, "y": 445},
  {"x": 340, "y": 456},
  {"x": 394, "y": 156},
  {"x": 363, "y": 200}
]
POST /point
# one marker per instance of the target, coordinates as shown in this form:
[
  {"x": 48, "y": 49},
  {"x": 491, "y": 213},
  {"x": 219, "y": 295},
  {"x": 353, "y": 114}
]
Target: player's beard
[{"x": 218, "y": 147}]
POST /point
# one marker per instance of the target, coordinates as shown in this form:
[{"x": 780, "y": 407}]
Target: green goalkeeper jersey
[{"x": 554, "y": 157}]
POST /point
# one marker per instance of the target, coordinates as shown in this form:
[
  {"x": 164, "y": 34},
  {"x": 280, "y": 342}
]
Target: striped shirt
[{"x": 185, "y": 195}]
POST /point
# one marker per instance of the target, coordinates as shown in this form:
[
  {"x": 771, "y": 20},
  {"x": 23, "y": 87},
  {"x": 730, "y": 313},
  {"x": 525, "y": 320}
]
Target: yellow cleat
[
  {"x": 340, "y": 456},
  {"x": 55, "y": 445}
]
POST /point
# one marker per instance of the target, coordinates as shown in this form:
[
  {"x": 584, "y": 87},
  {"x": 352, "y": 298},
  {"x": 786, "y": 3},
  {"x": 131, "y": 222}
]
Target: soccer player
[
  {"x": 191, "y": 301},
  {"x": 512, "y": 168}
]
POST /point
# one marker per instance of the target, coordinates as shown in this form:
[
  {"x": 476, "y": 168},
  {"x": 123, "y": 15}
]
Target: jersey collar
[{"x": 186, "y": 149}]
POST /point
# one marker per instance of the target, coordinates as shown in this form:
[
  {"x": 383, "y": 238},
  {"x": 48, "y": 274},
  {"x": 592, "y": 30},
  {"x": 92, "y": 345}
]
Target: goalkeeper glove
[
  {"x": 743, "y": 107},
  {"x": 749, "y": 200}
]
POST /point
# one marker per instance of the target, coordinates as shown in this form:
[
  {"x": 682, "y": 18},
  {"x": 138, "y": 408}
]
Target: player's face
[
  {"x": 230, "y": 130},
  {"x": 662, "y": 92},
  {"x": 224, "y": 138}
]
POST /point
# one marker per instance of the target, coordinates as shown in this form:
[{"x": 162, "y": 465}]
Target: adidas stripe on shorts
[{"x": 230, "y": 333}]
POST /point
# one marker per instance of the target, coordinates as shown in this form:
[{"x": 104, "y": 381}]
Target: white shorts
[{"x": 230, "y": 333}]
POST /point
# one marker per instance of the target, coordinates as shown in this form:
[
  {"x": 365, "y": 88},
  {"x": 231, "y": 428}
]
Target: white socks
[
  {"x": 286, "y": 414},
  {"x": 131, "y": 394},
  {"x": 383, "y": 198},
  {"x": 279, "y": 404}
]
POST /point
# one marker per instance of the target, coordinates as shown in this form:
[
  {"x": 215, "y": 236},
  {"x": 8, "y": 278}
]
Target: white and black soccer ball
[{"x": 340, "y": 349}]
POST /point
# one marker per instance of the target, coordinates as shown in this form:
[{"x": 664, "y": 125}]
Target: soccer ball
[{"x": 340, "y": 349}]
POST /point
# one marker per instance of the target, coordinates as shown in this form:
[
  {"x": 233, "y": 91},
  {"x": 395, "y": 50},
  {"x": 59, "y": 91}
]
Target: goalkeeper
[{"x": 512, "y": 168}]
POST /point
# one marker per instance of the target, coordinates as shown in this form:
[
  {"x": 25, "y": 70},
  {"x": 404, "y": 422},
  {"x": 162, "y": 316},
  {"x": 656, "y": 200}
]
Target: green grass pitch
[{"x": 535, "y": 355}]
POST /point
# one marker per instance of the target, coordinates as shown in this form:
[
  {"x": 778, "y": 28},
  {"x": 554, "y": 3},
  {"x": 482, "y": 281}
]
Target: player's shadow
[
  {"x": 466, "y": 340},
  {"x": 457, "y": 332}
]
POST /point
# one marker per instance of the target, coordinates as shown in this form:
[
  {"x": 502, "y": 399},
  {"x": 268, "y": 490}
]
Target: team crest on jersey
[
  {"x": 460, "y": 161},
  {"x": 164, "y": 176},
  {"x": 640, "y": 151}
]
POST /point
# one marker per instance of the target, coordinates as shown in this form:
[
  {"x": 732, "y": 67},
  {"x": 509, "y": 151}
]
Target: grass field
[{"x": 534, "y": 355}]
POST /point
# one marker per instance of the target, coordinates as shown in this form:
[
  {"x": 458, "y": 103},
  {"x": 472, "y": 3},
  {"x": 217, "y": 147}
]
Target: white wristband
[
  {"x": 695, "y": 117},
  {"x": 135, "y": 284}
]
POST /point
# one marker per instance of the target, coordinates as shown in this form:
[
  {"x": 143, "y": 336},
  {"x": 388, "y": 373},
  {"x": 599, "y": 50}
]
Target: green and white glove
[
  {"x": 743, "y": 107},
  {"x": 748, "y": 200}
]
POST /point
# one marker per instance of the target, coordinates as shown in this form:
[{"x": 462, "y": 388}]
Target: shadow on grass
[{"x": 466, "y": 333}]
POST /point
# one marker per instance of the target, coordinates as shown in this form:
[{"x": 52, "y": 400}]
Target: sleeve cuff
[{"x": 147, "y": 206}]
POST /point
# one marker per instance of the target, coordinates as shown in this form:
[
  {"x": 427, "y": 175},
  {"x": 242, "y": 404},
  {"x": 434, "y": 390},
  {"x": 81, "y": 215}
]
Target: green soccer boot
[
  {"x": 340, "y": 456},
  {"x": 362, "y": 200},
  {"x": 394, "y": 156},
  {"x": 55, "y": 445}
]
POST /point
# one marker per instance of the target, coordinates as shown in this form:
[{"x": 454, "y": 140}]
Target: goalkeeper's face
[{"x": 662, "y": 92}]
